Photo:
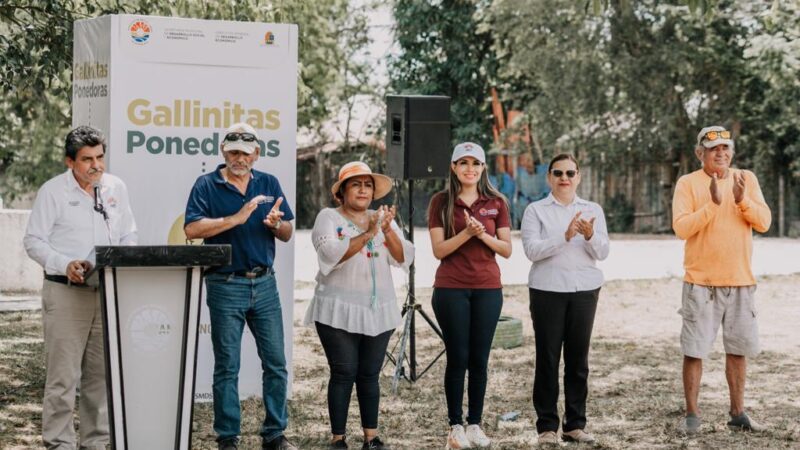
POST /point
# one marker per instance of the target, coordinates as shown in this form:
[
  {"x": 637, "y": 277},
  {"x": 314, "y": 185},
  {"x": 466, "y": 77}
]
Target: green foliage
[
  {"x": 36, "y": 52},
  {"x": 444, "y": 53},
  {"x": 619, "y": 212},
  {"x": 619, "y": 82},
  {"x": 634, "y": 83},
  {"x": 35, "y": 40}
]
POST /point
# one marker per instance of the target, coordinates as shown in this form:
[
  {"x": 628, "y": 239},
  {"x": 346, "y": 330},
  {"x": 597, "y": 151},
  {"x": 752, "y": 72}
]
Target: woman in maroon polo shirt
[{"x": 468, "y": 222}]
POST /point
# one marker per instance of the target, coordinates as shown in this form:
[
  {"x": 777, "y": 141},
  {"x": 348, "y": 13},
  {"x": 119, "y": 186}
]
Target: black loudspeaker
[{"x": 418, "y": 136}]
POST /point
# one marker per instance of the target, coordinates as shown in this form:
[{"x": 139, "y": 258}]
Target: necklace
[
  {"x": 361, "y": 222},
  {"x": 371, "y": 254}
]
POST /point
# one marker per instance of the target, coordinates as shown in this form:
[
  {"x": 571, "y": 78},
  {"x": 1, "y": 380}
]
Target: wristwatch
[{"x": 277, "y": 224}]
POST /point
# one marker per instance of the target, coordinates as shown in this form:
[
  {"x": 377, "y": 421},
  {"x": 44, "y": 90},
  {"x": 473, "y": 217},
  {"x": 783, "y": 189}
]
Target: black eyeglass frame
[
  {"x": 236, "y": 136},
  {"x": 558, "y": 173}
]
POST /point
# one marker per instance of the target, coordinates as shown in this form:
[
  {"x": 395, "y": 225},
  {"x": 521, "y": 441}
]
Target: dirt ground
[{"x": 635, "y": 398}]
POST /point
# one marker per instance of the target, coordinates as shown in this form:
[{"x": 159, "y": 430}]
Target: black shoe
[
  {"x": 228, "y": 444},
  {"x": 375, "y": 444},
  {"x": 338, "y": 444},
  {"x": 279, "y": 443}
]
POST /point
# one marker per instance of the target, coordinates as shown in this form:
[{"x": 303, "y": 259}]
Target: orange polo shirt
[{"x": 719, "y": 238}]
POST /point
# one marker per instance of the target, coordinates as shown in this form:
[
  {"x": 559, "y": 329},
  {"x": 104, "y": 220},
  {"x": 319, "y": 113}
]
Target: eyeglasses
[
  {"x": 560, "y": 173},
  {"x": 714, "y": 135},
  {"x": 246, "y": 137}
]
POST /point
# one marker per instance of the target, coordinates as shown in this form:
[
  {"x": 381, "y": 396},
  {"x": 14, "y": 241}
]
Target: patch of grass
[
  {"x": 635, "y": 397},
  {"x": 21, "y": 379}
]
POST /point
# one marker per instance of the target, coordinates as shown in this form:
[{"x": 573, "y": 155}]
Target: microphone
[{"x": 98, "y": 201}]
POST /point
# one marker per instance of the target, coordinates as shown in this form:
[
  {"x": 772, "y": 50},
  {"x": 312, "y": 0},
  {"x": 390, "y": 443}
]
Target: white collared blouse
[
  {"x": 560, "y": 265},
  {"x": 358, "y": 294}
]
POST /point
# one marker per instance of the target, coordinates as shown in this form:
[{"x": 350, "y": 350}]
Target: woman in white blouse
[
  {"x": 354, "y": 308},
  {"x": 563, "y": 236}
]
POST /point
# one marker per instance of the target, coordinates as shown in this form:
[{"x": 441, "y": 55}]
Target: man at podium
[
  {"x": 245, "y": 208},
  {"x": 73, "y": 212}
]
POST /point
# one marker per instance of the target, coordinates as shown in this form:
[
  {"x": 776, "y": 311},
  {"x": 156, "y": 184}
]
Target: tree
[
  {"x": 36, "y": 55},
  {"x": 770, "y": 106},
  {"x": 36, "y": 51},
  {"x": 442, "y": 52},
  {"x": 632, "y": 83}
]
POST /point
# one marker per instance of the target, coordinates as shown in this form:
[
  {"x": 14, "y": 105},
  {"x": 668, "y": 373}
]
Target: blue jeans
[{"x": 232, "y": 302}]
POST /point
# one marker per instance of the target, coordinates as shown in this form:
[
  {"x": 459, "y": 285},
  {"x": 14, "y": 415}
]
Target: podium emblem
[{"x": 150, "y": 329}]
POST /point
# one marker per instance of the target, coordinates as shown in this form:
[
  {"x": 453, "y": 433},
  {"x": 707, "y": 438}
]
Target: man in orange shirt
[{"x": 715, "y": 210}]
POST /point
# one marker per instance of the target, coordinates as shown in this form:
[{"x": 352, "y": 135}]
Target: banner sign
[{"x": 164, "y": 90}]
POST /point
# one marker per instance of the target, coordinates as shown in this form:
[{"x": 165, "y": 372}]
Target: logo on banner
[
  {"x": 269, "y": 38},
  {"x": 150, "y": 329},
  {"x": 140, "y": 31}
]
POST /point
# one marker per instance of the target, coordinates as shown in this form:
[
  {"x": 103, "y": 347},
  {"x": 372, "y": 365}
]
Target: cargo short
[{"x": 705, "y": 308}]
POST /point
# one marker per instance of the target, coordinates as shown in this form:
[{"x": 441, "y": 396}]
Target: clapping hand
[
  {"x": 274, "y": 215},
  {"x": 716, "y": 196},
  {"x": 586, "y": 228},
  {"x": 474, "y": 227},
  {"x": 374, "y": 225},
  {"x": 243, "y": 214},
  {"x": 389, "y": 214},
  {"x": 573, "y": 227},
  {"x": 738, "y": 186}
]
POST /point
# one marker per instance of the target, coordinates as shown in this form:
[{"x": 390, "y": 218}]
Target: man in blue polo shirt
[{"x": 245, "y": 208}]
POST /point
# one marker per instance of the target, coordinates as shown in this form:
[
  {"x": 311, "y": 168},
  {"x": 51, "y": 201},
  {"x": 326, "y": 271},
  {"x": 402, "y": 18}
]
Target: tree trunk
[{"x": 781, "y": 205}]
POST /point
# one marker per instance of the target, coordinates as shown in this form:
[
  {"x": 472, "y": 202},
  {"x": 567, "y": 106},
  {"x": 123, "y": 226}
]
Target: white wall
[{"x": 17, "y": 271}]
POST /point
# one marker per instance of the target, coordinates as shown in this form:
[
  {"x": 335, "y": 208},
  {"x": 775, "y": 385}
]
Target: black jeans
[
  {"x": 468, "y": 318},
  {"x": 353, "y": 358},
  {"x": 562, "y": 318}
]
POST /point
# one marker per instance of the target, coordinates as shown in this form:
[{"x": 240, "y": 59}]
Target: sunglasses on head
[
  {"x": 246, "y": 137},
  {"x": 560, "y": 173},
  {"x": 714, "y": 135}
]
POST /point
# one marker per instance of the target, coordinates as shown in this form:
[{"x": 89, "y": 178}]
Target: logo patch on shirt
[
  {"x": 111, "y": 202},
  {"x": 74, "y": 203},
  {"x": 270, "y": 199},
  {"x": 488, "y": 212}
]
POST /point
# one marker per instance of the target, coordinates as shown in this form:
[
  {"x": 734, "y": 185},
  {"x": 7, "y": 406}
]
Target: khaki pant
[{"x": 73, "y": 344}]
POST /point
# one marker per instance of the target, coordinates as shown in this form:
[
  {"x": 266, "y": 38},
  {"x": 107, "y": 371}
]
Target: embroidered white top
[
  {"x": 560, "y": 265},
  {"x": 64, "y": 225},
  {"x": 344, "y": 294}
]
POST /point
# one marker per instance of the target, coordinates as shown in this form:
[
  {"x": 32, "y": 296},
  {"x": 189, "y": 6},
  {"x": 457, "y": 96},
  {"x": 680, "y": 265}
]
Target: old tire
[{"x": 508, "y": 333}]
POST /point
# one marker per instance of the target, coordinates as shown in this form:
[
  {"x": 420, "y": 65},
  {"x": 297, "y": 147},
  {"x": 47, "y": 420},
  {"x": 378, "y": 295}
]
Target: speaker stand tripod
[{"x": 411, "y": 308}]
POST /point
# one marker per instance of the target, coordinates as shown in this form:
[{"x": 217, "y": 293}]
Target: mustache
[
  {"x": 93, "y": 171},
  {"x": 239, "y": 168}
]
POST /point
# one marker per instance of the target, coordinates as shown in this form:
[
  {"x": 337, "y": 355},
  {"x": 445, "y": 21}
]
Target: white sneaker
[
  {"x": 476, "y": 436},
  {"x": 457, "y": 439}
]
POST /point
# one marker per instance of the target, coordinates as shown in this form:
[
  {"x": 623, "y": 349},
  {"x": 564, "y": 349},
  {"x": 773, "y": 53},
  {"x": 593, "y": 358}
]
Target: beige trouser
[{"x": 73, "y": 345}]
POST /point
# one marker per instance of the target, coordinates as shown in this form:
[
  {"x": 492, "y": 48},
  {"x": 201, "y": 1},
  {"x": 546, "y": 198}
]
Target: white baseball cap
[
  {"x": 708, "y": 142},
  {"x": 244, "y": 146},
  {"x": 465, "y": 149}
]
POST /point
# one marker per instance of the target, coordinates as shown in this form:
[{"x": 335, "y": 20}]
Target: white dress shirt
[
  {"x": 560, "y": 265},
  {"x": 64, "y": 226}
]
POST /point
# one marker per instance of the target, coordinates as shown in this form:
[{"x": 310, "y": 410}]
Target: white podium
[{"x": 151, "y": 306}]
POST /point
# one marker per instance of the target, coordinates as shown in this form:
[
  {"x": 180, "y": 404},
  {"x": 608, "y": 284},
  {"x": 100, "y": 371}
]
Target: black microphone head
[{"x": 98, "y": 201}]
